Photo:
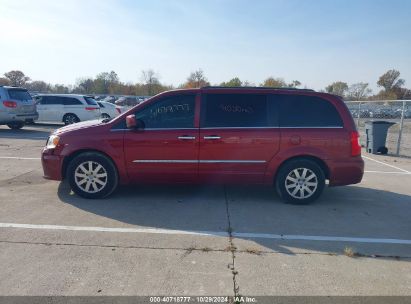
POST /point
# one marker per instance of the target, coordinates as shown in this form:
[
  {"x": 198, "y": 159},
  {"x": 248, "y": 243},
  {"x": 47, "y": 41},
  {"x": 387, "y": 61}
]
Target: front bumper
[{"x": 52, "y": 165}]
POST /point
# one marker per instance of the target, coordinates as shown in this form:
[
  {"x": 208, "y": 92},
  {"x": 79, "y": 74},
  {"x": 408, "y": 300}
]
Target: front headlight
[{"x": 52, "y": 142}]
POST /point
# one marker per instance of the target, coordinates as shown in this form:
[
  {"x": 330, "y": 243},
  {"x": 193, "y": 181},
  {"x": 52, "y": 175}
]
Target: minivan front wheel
[
  {"x": 92, "y": 175},
  {"x": 69, "y": 119},
  {"x": 300, "y": 181}
]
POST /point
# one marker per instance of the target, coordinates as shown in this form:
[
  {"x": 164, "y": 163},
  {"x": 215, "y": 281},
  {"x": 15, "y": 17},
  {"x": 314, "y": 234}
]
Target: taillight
[
  {"x": 10, "y": 104},
  {"x": 91, "y": 108},
  {"x": 118, "y": 110},
  {"x": 355, "y": 144}
]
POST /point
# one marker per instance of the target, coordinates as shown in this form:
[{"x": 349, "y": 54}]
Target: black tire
[
  {"x": 70, "y": 118},
  {"x": 383, "y": 150},
  {"x": 15, "y": 125},
  {"x": 111, "y": 181},
  {"x": 105, "y": 116},
  {"x": 303, "y": 185}
]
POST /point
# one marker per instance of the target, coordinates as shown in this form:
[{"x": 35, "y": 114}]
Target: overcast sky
[{"x": 313, "y": 41}]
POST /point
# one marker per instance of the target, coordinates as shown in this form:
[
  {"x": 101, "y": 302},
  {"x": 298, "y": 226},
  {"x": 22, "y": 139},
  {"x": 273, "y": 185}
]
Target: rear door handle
[
  {"x": 212, "y": 137},
  {"x": 186, "y": 137}
]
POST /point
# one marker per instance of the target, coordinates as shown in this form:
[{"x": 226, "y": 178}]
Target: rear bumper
[
  {"x": 346, "y": 172},
  {"x": 52, "y": 165},
  {"x": 10, "y": 118}
]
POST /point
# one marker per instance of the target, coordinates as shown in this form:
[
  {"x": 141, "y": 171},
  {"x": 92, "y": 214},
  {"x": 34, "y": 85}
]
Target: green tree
[
  {"x": 337, "y": 88},
  {"x": 392, "y": 84},
  {"x": 106, "y": 82},
  {"x": 85, "y": 86},
  {"x": 294, "y": 84},
  {"x": 17, "y": 78},
  {"x": 234, "y": 82},
  {"x": 390, "y": 80}
]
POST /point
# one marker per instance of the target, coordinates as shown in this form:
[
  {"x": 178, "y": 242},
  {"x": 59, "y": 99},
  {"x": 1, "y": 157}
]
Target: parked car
[
  {"x": 110, "y": 99},
  {"x": 67, "y": 108},
  {"x": 127, "y": 101},
  {"x": 16, "y": 107},
  {"x": 294, "y": 140},
  {"x": 109, "y": 110}
]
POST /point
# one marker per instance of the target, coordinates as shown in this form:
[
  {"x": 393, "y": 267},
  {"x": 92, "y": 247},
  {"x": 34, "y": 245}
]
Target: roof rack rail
[{"x": 260, "y": 88}]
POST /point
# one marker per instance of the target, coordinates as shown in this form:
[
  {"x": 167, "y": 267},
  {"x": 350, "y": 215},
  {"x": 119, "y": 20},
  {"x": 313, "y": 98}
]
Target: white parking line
[
  {"x": 390, "y": 172},
  {"x": 16, "y": 157},
  {"x": 211, "y": 233},
  {"x": 383, "y": 163},
  {"x": 31, "y": 137}
]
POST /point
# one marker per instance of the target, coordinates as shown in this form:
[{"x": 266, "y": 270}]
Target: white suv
[
  {"x": 67, "y": 108},
  {"x": 16, "y": 107}
]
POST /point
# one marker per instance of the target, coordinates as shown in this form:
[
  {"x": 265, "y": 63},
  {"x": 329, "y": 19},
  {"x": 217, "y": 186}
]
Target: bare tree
[
  {"x": 151, "y": 80},
  {"x": 38, "y": 86},
  {"x": 196, "y": 80},
  {"x": 4, "y": 81},
  {"x": 358, "y": 91}
]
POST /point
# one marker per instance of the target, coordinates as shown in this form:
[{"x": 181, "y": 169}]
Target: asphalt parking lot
[{"x": 200, "y": 240}]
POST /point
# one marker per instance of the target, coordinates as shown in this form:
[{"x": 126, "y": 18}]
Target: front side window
[
  {"x": 169, "y": 112},
  {"x": 50, "y": 100},
  {"x": 234, "y": 110},
  {"x": 308, "y": 111}
]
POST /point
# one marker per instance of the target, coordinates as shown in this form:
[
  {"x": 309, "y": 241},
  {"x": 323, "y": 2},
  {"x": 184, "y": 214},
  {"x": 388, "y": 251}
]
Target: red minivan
[{"x": 293, "y": 139}]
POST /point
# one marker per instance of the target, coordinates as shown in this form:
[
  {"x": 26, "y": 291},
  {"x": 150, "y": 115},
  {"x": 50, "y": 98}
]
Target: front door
[
  {"x": 239, "y": 135},
  {"x": 166, "y": 149}
]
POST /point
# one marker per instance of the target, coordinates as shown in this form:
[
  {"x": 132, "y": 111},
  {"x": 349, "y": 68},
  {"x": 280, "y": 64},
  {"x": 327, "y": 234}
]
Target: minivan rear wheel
[
  {"x": 15, "y": 125},
  {"x": 300, "y": 181},
  {"x": 92, "y": 175},
  {"x": 69, "y": 119}
]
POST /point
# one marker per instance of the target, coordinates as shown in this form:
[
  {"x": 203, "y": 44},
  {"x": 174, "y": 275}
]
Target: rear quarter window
[
  {"x": 308, "y": 111},
  {"x": 90, "y": 101},
  {"x": 235, "y": 110}
]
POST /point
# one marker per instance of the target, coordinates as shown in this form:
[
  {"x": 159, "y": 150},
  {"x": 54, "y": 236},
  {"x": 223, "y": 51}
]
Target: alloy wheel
[
  {"x": 90, "y": 176},
  {"x": 301, "y": 183}
]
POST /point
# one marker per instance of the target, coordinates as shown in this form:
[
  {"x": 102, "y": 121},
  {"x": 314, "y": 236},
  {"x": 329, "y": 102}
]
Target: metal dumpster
[{"x": 376, "y": 132}]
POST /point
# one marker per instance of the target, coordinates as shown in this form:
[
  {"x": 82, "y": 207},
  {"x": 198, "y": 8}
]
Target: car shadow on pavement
[
  {"x": 25, "y": 134},
  {"x": 351, "y": 211}
]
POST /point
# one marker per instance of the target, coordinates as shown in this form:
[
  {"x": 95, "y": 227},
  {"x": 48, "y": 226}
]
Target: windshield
[{"x": 19, "y": 94}]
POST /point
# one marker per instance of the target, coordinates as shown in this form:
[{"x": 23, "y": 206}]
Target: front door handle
[
  {"x": 212, "y": 137},
  {"x": 186, "y": 137}
]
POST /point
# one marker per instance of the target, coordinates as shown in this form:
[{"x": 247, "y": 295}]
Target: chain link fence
[{"x": 396, "y": 111}]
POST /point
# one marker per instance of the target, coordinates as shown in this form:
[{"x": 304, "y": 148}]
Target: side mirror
[{"x": 133, "y": 123}]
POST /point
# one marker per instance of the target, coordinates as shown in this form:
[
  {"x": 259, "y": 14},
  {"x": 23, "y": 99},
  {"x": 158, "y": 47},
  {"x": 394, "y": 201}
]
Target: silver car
[{"x": 16, "y": 107}]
